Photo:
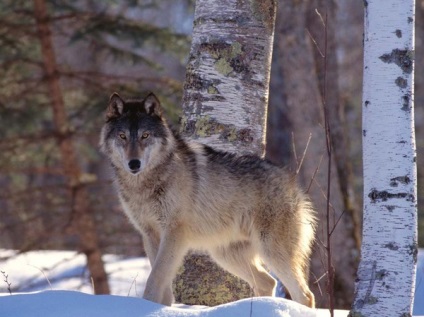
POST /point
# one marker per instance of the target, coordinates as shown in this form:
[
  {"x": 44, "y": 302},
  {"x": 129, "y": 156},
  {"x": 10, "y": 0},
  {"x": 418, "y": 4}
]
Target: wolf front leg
[
  {"x": 151, "y": 241},
  {"x": 170, "y": 255}
]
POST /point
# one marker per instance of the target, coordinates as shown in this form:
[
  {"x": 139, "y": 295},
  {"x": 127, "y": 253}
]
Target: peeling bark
[
  {"x": 83, "y": 220},
  {"x": 386, "y": 274},
  {"x": 224, "y": 105}
]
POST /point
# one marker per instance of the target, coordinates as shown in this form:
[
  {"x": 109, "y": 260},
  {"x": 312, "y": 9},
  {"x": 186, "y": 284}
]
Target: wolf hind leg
[
  {"x": 291, "y": 271},
  {"x": 240, "y": 259}
]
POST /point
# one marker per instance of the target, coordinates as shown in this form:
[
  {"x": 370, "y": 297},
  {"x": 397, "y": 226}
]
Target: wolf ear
[
  {"x": 152, "y": 105},
  {"x": 116, "y": 106}
]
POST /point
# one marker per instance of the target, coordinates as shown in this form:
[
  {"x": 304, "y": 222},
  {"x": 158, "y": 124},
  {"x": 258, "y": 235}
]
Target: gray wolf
[{"x": 242, "y": 210}]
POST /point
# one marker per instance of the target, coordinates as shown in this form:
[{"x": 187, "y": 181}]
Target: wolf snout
[{"x": 134, "y": 166}]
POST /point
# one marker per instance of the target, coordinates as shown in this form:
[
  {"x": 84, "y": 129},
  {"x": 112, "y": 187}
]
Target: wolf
[{"x": 245, "y": 212}]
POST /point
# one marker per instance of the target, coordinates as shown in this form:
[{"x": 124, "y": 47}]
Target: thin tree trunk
[
  {"x": 386, "y": 274},
  {"x": 339, "y": 133},
  {"x": 224, "y": 105},
  {"x": 83, "y": 219},
  {"x": 297, "y": 101}
]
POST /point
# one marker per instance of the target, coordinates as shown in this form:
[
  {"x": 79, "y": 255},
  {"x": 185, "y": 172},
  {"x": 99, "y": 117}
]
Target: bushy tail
[{"x": 308, "y": 226}]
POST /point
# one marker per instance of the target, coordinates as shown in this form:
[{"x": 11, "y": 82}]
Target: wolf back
[{"x": 243, "y": 211}]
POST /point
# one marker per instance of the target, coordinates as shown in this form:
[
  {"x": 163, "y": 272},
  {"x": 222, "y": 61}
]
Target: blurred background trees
[{"x": 134, "y": 46}]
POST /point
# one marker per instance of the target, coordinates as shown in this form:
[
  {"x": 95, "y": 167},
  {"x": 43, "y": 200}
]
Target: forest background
[{"x": 136, "y": 46}]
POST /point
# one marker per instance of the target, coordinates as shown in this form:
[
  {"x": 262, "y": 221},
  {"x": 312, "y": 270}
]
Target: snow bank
[
  {"x": 63, "y": 270},
  {"x": 71, "y": 304}
]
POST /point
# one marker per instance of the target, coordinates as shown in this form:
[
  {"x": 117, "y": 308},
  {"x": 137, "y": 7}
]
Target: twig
[
  {"x": 315, "y": 43},
  {"x": 325, "y": 197},
  {"x": 6, "y": 280},
  {"x": 330, "y": 268},
  {"x": 320, "y": 278},
  {"x": 315, "y": 173},
  {"x": 316, "y": 282},
  {"x": 135, "y": 286},
  {"x": 294, "y": 151},
  {"x": 304, "y": 154},
  {"x": 324, "y": 23},
  {"x": 44, "y": 274},
  {"x": 338, "y": 219}
]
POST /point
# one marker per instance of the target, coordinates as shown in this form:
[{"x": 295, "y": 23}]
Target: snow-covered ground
[{"x": 56, "y": 283}]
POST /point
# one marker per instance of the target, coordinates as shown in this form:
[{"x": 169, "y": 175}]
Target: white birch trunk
[
  {"x": 227, "y": 79},
  {"x": 224, "y": 104},
  {"x": 386, "y": 274}
]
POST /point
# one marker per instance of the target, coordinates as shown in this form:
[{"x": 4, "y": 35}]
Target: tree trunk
[
  {"x": 83, "y": 219},
  {"x": 297, "y": 110},
  {"x": 386, "y": 274},
  {"x": 224, "y": 105},
  {"x": 339, "y": 132}
]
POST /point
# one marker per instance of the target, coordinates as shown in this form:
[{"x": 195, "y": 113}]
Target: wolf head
[{"x": 135, "y": 134}]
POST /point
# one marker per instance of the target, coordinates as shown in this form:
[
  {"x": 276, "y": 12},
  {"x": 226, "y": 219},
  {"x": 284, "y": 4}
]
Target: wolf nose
[{"x": 134, "y": 165}]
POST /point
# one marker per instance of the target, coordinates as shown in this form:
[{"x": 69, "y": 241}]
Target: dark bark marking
[
  {"x": 394, "y": 182},
  {"x": 264, "y": 11},
  {"x": 402, "y": 58},
  {"x": 398, "y": 33},
  {"x": 364, "y": 133},
  {"x": 413, "y": 250},
  {"x": 372, "y": 300},
  {"x": 230, "y": 59},
  {"x": 377, "y": 196},
  {"x": 392, "y": 246},
  {"x": 195, "y": 82},
  {"x": 245, "y": 135},
  {"x": 206, "y": 126},
  {"x": 390, "y": 208},
  {"x": 401, "y": 82},
  {"x": 405, "y": 103},
  {"x": 367, "y": 103},
  {"x": 410, "y": 20},
  {"x": 240, "y": 20},
  {"x": 372, "y": 277},
  {"x": 379, "y": 275}
]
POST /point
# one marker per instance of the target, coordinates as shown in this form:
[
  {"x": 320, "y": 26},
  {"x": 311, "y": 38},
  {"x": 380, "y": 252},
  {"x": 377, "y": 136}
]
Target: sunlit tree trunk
[
  {"x": 83, "y": 220},
  {"x": 224, "y": 105},
  {"x": 386, "y": 274}
]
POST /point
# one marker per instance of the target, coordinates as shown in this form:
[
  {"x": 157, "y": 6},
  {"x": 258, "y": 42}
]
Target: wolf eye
[
  {"x": 145, "y": 135},
  {"x": 122, "y": 136}
]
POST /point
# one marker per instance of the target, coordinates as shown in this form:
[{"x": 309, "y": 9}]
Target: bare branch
[{"x": 304, "y": 154}]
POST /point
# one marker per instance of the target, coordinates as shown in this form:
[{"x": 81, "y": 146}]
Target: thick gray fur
[{"x": 181, "y": 196}]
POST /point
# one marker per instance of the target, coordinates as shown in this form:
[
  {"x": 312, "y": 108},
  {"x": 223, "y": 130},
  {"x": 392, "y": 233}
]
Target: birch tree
[
  {"x": 386, "y": 273},
  {"x": 224, "y": 103}
]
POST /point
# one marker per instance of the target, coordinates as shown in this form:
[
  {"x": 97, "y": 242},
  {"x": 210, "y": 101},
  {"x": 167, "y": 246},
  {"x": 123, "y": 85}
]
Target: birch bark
[
  {"x": 224, "y": 104},
  {"x": 386, "y": 273},
  {"x": 227, "y": 77}
]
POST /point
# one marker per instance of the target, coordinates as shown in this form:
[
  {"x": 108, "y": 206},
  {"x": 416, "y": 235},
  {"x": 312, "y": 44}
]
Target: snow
[{"x": 56, "y": 283}]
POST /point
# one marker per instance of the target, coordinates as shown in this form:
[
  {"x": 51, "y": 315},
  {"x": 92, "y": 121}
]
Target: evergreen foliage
[{"x": 100, "y": 47}]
